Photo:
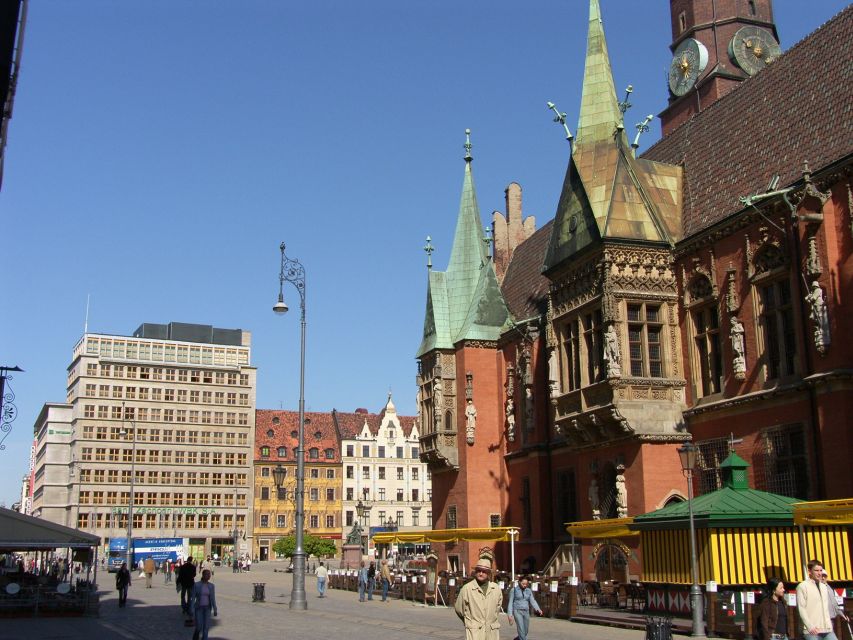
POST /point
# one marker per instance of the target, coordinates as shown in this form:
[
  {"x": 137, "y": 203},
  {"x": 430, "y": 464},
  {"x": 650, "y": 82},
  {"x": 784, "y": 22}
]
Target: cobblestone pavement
[{"x": 155, "y": 614}]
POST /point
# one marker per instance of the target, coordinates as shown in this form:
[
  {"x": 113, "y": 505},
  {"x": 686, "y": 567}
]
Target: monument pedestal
[{"x": 351, "y": 556}]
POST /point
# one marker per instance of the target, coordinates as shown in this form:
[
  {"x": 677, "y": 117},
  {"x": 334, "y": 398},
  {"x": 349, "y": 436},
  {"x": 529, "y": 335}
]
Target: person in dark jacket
[
  {"x": 773, "y": 613},
  {"x": 122, "y": 583},
  {"x": 186, "y": 579}
]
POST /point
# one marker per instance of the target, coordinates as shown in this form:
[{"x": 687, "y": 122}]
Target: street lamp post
[
  {"x": 293, "y": 272},
  {"x": 123, "y": 433},
  {"x": 235, "y": 532},
  {"x": 687, "y": 454}
]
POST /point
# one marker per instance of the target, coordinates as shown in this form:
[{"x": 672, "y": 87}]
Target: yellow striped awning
[
  {"x": 743, "y": 556},
  {"x": 610, "y": 528},
  {"x": 493, "y": 534},
  {"x": 824, "y": 512}
]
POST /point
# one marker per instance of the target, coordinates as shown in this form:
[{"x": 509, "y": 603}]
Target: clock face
[
  {"x": 688, "y": 62},
  {"x": 753, "y": 48}
]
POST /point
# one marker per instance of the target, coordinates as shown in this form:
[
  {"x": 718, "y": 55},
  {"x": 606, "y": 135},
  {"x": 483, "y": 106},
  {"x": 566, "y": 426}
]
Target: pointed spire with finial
[
  {"x": 468, "y": 146},
  {"x": 428, "y": 249},
  {"x": 600, "y": 115}
]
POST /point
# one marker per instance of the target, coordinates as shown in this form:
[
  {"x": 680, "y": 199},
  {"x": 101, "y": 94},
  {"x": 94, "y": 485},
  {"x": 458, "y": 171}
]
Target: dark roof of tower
[
  {"x": 524, "y": 288},
  {"x": 790, "y": 112}
]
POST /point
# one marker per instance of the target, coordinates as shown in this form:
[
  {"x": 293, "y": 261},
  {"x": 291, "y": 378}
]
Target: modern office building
[{"x": 164, "y": 419}]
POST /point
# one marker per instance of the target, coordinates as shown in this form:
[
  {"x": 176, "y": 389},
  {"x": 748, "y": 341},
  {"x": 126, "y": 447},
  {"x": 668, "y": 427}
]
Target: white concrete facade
[{"x": 188, "y": 410}]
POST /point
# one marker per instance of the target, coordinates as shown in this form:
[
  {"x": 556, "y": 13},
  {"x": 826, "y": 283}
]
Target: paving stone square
[{"x": 155, "y": 614}]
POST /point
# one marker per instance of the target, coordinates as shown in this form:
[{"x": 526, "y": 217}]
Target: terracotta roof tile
[
  {"x": 319, "y": 432},
  {"x": 794, "y": 110},
  {"x": 524, "y": 288}
]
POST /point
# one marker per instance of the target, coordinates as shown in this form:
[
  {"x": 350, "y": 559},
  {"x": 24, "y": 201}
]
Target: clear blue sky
[{"x": 160, "y": 151}]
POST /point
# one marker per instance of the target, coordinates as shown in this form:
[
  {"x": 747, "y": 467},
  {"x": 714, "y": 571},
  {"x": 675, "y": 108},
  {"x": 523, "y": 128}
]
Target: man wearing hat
[{"x": 479, "y": 603}]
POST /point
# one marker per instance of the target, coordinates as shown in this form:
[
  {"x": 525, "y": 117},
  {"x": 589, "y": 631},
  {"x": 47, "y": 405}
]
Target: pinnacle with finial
[
  {"x": 428, "y": 248},
  {"x": 560, "y": 118},
  {"x": 625, "y": 105},
  {"x": 487, "y": 240},
  {"x": 468, "y": 145}
]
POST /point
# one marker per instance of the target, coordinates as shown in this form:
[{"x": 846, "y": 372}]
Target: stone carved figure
[
  {"x": 611, "y": 351},
  {"x": 553, "y": 374},
  {"x": 470, "y": 421},
  {"x": 437, "y": 403},
  {"x": 820, "y": 317},
  {"x": 594, "y": 498},
  {"x": 621, "y": 495},
  {"x": 510, "y": 420},
  {"x": 738, "y": 351},
  {"x": 528, "y": 408}
]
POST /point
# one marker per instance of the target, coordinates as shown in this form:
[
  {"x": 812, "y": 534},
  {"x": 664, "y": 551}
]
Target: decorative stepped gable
[
  {"x": 607, "y": 193},
  {"x": 464, "y": 302}
]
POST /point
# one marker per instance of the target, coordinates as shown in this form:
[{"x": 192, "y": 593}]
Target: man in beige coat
[
  {"x": 479, "y": 604},
  {"x": 813, "y": 605}
]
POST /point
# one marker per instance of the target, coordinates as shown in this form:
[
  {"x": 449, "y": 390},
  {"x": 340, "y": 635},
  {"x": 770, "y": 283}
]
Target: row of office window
[
  {"x": 162, "y": 499},
  {"x": 161, "y": 521},
  {"x": 166, "y": 352},
  {"x": 141, "y": 476},
  {"x": 147, "y": 414},
  {"x": 165, "y": 394},
  {"x": 179, "y": 436},
  {"x": 198, "y": 376},
  {"x": 163, "y": 456}
]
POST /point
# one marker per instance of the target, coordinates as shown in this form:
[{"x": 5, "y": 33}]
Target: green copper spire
[
  {"x": 599, "y": 114},
  {"x": 607, "y": 193},
  {"x": 465, "y": 301}
]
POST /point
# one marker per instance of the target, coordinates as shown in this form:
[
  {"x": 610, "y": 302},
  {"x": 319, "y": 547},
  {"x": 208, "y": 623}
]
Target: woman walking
[
  {"x": 521, "y": 601},
  {"x": 773, "y": 613},
  {"x": 122, "y": 583},
  {"x": 204, "y": 601}
]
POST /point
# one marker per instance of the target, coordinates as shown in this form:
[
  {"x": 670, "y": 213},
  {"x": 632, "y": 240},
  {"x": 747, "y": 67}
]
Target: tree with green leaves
[{"x": 312, "y": 545}]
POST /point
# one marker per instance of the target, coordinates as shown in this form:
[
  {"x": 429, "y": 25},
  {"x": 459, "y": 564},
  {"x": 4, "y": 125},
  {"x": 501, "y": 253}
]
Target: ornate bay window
[{"x": 645, "y": 328}]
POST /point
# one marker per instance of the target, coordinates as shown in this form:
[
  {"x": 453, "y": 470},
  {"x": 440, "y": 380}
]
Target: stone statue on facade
[
  {"x": 621, "y": 495},
  {"x": 553, "y": 374},
  {"x": 819, "y": 316},
  {"x": 738, "y": 351},
  {"x": 594, "y": 498},
  {"x": 528, "y": 408},
  {"x": 510, "y": 420},
  {"x": 470, "y": 421},
  {"x": 437, "y": 403},
  {"x": 611, "y": 351}
]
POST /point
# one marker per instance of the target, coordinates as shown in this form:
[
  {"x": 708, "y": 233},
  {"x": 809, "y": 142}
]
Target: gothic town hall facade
[{"x": 698, "y": 292}]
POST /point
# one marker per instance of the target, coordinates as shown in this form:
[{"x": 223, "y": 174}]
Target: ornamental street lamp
[
  {"x": 687, "y": 454},
  {"x": 123, "y": 434},
  {"x": 8, "y": 410},
  {"x": 293, "y": 272}
]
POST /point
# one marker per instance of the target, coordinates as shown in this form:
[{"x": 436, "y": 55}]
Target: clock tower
[{"x": 715, "y": 45}]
